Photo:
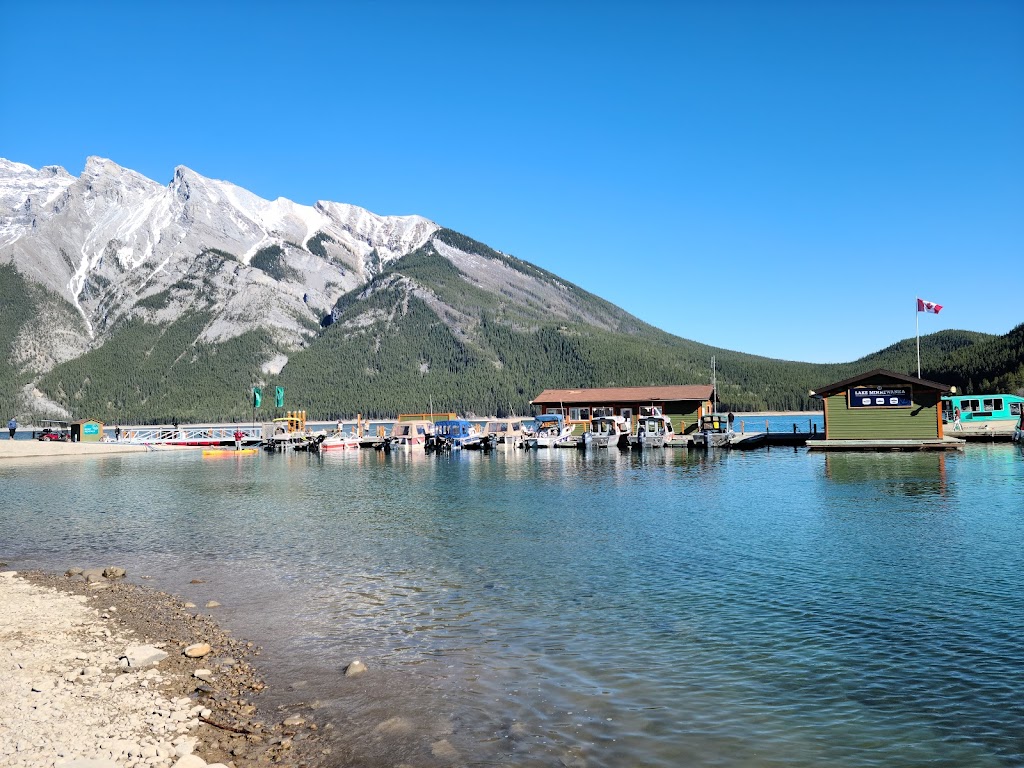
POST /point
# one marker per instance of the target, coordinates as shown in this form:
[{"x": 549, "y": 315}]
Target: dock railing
[{"x": 155, "y": 435}]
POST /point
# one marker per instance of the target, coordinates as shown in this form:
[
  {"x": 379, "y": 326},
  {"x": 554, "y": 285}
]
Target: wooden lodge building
[
  {"x": 882, "y": 409},
  {"x": 683, "y": 404}
]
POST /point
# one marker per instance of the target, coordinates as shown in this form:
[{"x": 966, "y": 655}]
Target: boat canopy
[
  {"x": 453, "y": 428},
  {"x": 411, "y": 428},
  {"x": 550, "y": 418}
]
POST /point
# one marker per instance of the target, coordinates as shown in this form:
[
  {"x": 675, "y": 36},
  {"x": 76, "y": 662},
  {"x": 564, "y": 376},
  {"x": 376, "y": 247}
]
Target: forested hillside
[{"x": 423, "y": 333}]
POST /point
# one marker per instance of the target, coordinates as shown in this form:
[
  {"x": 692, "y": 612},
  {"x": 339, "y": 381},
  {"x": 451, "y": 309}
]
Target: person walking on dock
[
  {"x": 957, "y": 426},
  {"x": 12, "y": 425}
]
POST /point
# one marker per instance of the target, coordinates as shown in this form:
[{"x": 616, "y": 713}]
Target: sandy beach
[
  {"x": 20, "y": 449},
  {"x": 99, "y": 673}
]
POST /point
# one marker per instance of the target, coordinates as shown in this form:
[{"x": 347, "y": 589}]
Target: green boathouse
[{"x": 882, "y": 409}]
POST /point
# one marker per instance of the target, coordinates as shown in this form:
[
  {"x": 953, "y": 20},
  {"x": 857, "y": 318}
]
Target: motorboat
[
  {"x": 406, "y": 435},
  {"x": 453, "y": 434},
  {"x": 506, "y": 433},
  {"x": 339, "y": 441},
  {"x": 653, "y": 431},
  {"x": 605, "y": 431},
  {"x": 550, "y": 430}
]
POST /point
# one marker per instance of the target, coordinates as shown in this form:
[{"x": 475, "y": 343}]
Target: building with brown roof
[{"x": 683, "y": 404}]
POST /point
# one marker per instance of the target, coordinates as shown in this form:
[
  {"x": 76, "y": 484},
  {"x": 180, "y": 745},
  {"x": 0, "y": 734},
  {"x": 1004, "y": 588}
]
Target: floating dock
[{"x": 941, "y": 444}]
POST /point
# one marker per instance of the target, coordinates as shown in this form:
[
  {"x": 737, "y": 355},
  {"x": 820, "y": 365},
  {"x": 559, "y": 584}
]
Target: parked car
[{"x": 49, "y": 434}]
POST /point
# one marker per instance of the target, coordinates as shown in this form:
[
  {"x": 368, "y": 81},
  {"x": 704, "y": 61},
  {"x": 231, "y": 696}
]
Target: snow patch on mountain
[{"x": 111, "y": 238}]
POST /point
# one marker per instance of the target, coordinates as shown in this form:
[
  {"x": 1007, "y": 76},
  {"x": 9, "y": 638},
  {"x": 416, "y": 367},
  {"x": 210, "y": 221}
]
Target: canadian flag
[{"x": 928, "y": 306}]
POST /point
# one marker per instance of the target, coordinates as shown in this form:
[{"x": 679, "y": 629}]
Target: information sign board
[{"x": 880, "y": 397}]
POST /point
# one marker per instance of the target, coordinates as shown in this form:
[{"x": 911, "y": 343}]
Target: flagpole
[{"x": 917, "y": 327}]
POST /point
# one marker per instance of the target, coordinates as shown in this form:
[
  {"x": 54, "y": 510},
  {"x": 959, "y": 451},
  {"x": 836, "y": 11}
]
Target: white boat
[
  {"x": 406, "y": 435},
  {"x": 551, "y": 429},
  {"x": 605, "y": 431},
  {"x": 653, "y": 431},
  {"x": 506, "y": 433},
  {"x": 338, "y": 441}
]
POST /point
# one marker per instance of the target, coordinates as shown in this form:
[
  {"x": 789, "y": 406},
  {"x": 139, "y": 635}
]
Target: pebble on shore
[{"x": 91, "y": 684}]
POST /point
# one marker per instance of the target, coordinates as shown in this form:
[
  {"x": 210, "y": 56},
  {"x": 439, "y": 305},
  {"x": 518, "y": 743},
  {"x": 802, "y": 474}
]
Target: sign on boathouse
[{"x": 880, "y": 397}]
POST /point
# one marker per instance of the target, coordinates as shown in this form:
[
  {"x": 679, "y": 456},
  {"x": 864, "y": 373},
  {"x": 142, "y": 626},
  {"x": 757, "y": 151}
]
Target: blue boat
[{"x": 453, "y": 434}]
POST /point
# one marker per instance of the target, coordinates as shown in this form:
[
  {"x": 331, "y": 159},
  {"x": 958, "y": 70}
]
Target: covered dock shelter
[
  {"x": 684, "y": 404},
  {"x": 883, "y": 410}
]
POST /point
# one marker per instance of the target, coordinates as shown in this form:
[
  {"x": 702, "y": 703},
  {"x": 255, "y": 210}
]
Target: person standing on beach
[
  {"x": 12, "y": 425},
  {"x": 117, "y": 432},
  {"x": 957, "y": 426}
]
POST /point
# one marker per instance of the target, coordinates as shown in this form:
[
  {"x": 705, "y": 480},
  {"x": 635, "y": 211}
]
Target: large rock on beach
[
  {"x": 143, "y": 655},
  {"x": 190, "y": 761},
  {"x": 93, "y": 574},
  {"x": 198, "y": 650}
]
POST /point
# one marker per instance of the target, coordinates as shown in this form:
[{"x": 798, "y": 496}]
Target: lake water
[{"x": 762, "y": 608}]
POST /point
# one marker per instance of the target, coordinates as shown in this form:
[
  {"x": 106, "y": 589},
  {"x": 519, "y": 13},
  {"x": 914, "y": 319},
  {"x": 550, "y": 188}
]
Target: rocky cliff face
[{"x": 113, "y": 243}]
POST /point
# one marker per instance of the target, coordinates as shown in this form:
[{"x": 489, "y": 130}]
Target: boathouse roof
[
  {"x": 625, "y": 394},
  {"x": 876, "y": 373}
]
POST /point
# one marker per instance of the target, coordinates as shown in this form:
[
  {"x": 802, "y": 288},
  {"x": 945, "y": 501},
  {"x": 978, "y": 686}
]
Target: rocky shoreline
[{"x": 97, "y": 672}]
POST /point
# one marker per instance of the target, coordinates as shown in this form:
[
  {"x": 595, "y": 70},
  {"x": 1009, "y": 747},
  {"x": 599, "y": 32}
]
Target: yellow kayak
[{"x": 229, "y": 451}]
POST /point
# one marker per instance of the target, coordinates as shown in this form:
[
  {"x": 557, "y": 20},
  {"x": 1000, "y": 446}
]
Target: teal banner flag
[
  {"x": 257, "y": 397},
  {"x": 279, "y": 397}
]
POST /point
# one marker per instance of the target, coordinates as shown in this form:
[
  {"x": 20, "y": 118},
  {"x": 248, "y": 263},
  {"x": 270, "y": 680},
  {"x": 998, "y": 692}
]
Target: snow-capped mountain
[
  {"x": 116, "y": 244},
  {"x": 112, "y": 237}
]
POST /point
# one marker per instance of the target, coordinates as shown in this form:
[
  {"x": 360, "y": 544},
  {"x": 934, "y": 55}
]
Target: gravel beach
[{"x": 96, "y": 672}]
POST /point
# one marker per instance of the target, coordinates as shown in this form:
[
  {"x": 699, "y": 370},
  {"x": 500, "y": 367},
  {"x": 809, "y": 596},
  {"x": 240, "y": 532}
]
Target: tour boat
[
  {"x": 981, "y": 413},
  {"x": 551, "y": 429}
]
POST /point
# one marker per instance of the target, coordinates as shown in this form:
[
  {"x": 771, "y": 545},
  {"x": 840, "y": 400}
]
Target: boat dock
[{"x": 195, "y": 435}]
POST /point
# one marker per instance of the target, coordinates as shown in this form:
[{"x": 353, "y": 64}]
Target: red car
[{"x": 49, "y": 434}]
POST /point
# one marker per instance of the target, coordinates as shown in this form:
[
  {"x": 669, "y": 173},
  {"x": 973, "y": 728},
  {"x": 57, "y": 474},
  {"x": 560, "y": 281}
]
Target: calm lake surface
[{"x": 764, "y": 608}]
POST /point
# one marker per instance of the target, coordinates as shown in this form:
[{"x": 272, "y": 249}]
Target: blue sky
[{"x": 780, "y": 178}]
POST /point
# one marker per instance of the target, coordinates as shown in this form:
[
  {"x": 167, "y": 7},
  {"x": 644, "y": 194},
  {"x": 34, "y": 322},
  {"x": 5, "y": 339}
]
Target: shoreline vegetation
[{"x": 104, "y": 673}]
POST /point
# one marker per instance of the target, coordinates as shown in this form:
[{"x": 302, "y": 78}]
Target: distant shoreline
[{"x": 749, "y": 414}]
